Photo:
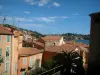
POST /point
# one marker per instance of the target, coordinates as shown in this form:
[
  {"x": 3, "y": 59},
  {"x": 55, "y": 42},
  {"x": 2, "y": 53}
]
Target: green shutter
[
  {"x": 0, "y": 52},
  {"x": 7, "y": 67},
  {"x": 31, "y": 62},
  {"x": 8, "y": 38},
  {"x": 23, "y": 72},
  {"x": 7, "y": 53},
  {"x": 24, "y": 60}
]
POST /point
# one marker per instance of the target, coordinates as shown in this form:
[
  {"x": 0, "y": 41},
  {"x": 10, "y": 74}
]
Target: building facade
[
  {"x": 5, "y": 51},
  {"x": 29, "y": 58}
]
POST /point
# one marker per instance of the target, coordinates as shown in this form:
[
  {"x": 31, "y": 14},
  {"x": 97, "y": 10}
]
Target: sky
[{"x": 50, "y": 16}]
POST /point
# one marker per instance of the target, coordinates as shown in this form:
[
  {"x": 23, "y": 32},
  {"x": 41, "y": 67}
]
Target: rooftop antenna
[{"x": 4, "y": 20}]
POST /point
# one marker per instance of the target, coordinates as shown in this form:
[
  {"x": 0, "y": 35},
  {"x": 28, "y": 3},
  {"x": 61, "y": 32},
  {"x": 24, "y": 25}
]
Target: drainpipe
[{"x": 94, "y": 51}]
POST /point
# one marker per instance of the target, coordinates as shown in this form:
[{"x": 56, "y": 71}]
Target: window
[
  {"x": 24, "y": 61},
  {"x": 23, "y": 72},
  {"x": 8, "y": 38},
  {"x": 0, "y": 52},
  {"x": 31, "y": 62},
  {"x": 0, "y": 38},
  {"x": 7, "y": 66},
  {"x": 37, "y": 62},
  {"x": 7, "y": 53}
]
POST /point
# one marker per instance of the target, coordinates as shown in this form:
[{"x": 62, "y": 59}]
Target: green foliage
[
  {"x": 48, "y": 64},
  {"x": 71, "y": 61},
  {"x": 37, "y": 71},
  {"x": 1, "y": 60}
]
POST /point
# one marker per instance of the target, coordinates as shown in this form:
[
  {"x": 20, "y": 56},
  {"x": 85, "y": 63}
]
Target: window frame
[
  {"x": 9, "y": 38},
  {"x": 1, "y": 52},
  {"x": 6, "y": 67},
  {"x": 31, "y": 62},
  {"x": 24, "y": 60},
  {"x": 9, "y": 53},
  {"x": 23, "y": 73}
]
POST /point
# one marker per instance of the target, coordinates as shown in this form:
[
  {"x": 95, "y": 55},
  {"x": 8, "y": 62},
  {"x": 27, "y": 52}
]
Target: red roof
[
  {"x": 28, "y": 51},
  {"x": 67, "y": 47},
  {"x": 59, "y": 49},
  {"x": 4, "y": 31},
  {"x": 39, "y": 43},
  {"x": 51, "y": 38}
]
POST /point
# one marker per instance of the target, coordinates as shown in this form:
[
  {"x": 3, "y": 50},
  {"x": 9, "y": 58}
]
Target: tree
[{"x": 72, "y": 63}]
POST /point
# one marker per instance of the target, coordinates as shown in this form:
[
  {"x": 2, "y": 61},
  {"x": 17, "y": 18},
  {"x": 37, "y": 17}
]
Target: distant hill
[
  {"x": 67, "y": 36},
  {"x": 74, "y": 36},
  {"x": 30, "y": 32}
]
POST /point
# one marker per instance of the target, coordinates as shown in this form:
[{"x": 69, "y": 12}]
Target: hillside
[
  {"x": 74, "y": 36},
  {"x": 30, "y": 32},
  {"x": 67, "y": 36}
]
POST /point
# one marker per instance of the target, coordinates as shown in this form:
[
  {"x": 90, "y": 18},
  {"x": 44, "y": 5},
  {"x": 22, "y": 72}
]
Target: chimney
[{"x": 94, "y": 51}]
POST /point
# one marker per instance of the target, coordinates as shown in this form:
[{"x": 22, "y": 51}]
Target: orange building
[
  {"x": 29, "y": 58},
  {"x": 6, "y": 47},
  {"x": 17, "y": 53}
]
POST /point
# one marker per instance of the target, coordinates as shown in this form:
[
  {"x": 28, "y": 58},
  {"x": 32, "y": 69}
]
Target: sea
[{"x": 83, "y": 41}]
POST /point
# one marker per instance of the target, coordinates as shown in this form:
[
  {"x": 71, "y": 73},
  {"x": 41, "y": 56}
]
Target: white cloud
[
  {"x": 56, "y": 4},
  {"x": 27, "y": 12},
  {"x": 43, "y": 2},
  {"x": 58, "y": 17},
  {"x": 51, "y": 19},
  {"x": 75, "y": 14},
  {"x": 19, "y": 19},
  {"x": 34, "y": 25},
  {"x": 31, "y": 2},
  {"x": 44, "y": 19}
]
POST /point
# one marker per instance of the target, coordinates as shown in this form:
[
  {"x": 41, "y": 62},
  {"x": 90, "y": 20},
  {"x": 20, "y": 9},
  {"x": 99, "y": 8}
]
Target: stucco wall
[
  {"x": 47, "y": 56},
  {"x": 3, "y": 45},
  {"x": 34, "y": 57}
]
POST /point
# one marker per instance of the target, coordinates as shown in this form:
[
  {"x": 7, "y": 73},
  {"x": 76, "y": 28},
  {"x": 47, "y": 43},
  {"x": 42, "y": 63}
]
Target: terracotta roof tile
[
  {"x": 28, "y": 51},
  {"x": 59, "y": 49},
  {"x": 51, "y": 38},
  {"x": 39, "y": 43},
  {"x": 4, "y": 31},
  {"x": 67, "y": 47}
]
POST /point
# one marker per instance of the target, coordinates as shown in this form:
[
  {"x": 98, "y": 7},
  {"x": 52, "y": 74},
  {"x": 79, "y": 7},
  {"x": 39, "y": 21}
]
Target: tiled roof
[
  {"x": 28, "y": 51},
  {"x": 67, "y": 47},
  {"x": 59, "y": 49},
  {"x": 39, "y": 43},
  {"x": 51, "y": 38},
  {"x": 4, "y": 31}
]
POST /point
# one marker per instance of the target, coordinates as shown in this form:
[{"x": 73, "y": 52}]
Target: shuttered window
[
  {"x": 24, "y": 61},
  {"x": 7, "y": 53},
  {"x": 7, "y": 66},
  {"x": 8, "y": 38},
  {"x": 0, "y": 52},
  {"x": 31, "y": 62}
]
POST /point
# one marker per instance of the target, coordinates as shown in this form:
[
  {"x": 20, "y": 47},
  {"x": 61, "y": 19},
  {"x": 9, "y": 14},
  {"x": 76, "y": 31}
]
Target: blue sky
[{"x": 50, "y": 16}]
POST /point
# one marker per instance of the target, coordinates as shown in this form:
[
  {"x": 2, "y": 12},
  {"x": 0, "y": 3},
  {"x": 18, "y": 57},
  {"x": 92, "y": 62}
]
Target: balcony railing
[
  {"x": 54, "y": 71},
  {"x": 1, "y": 59}
]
